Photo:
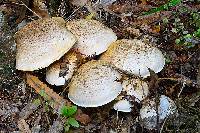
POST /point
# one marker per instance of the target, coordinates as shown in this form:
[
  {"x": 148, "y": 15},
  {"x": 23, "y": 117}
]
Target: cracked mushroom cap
[
  {"x": 59, "y": 72},
  {"x": 94, "y": 84},
  {"x": 93, "y": 37},
  {"x": 134, "y": 57},
  {"x": 136, "y": 87},
  {"x": 41, "y": 42}
]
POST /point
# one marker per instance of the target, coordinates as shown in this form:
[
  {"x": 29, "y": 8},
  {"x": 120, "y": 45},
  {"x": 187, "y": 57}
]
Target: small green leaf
[
  {"x": 42, "y": 93},
  {"x": 68, "y": 111},
  {"x": 66, "y": 128},
  {"x": 177, "y": 41},
  {"x": 73, "y": 122},
  {"x": 197, "y": 33},
  {"x": 72, "y": 110},
  {"x": 37, "y": 102},
  {"x": 165, "y": 20},
  {"x": 64, "y": 111},
  {"x": 168, "y": 60},
  {"x": 188, "y": 36}
]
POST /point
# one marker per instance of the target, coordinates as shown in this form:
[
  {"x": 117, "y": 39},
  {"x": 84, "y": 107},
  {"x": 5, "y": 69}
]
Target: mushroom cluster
[{"x": 61, "y": 46}]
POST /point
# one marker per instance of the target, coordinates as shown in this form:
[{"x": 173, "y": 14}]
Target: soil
[{"x": 181, "y": 74}]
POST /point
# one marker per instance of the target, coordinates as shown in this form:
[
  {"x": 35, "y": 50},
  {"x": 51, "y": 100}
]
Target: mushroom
[
  {"x": 93, "y": 37},
  {"x": 41, "y": 42},
  {"x": 148, "y": 113},
  {"x": 94, "y": 84},
  {"x": 60, "y": 72},
  {"x": 134, "y": 57},
  {"x": 136, "y": 87},
  {"x": 123, "y": 105}
]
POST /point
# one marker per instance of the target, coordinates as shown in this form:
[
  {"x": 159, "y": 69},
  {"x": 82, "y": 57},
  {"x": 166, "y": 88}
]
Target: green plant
[
  {"x": 163, "y": 7},
  {"x": 68, "y": 112},
  {"x": 184, "y": 24},
  {"x": 188, "y": 38}
]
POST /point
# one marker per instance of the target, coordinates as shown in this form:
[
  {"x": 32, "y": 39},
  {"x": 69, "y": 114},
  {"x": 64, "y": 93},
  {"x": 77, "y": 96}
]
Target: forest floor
[{"x": 174, "y": 28}]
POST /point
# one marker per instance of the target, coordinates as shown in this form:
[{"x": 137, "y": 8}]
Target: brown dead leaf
[
  {"x": 40, "y": 8},
  {"x": 36, "y": 84},
  {"x": 156, "y": 29},
  {"x": 133, "y": 31},
  {"x": 41, "y": 13},
  {"x": 144, "y": 2},
  {"x": 120, "y": 8},
  {"x": 81, "y": 117},
  {"x": 149, "y": 19},
  {"x": 23, "y": 126}
]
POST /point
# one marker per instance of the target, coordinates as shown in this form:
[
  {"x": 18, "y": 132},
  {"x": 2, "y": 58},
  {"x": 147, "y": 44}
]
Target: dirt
[{"x": 17, "y": 111}]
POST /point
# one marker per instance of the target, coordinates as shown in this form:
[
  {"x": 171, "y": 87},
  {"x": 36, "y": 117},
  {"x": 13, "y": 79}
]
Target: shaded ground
[{"x": 169, "y": 29}]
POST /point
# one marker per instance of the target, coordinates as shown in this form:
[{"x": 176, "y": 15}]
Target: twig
[
  {"x": 30, "y": 9},
  {"x": 67, "y": 19},
  {"x": 181, "y": 79},
  {"x": 161, "y": 129},
  {"x": 183, "y": 86}
]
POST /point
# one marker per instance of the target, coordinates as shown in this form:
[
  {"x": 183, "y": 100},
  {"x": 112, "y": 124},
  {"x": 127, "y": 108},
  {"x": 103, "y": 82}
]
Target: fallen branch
[{"x": 39, "y": 86}]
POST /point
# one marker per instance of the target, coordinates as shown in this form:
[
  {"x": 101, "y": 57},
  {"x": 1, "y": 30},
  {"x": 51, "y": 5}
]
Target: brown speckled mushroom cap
[
  {"x": 134, "y": 57},
  {"x": 59, "y": 72},
  {"x": 41, "y": 42},
  {"x": 93, "y": 37},
  {"x": 94, "y": 84}
]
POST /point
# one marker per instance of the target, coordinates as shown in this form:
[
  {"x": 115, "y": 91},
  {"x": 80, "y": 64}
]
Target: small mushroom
[
  {"x": 94, "y": 84},
  {"x": 148, "y": 113},
  {"x": 60, "y": 72},
  {"x": 41, "y": 42},
  {"x": 136, "y": 87},
  {"x": 134, "y": 57},
  {"x": 93, "y": 37},
  {"x": 123, "y": 105}
]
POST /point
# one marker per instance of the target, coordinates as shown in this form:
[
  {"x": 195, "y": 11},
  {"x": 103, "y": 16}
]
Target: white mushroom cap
[
  {"x": 94, "y": 84},
  {"x": 134, "y": 57},
  {"x": 41, "y": 42},
  {"x": 167, "y": 107},
  {"x": 148, "y": 111},
  {"x": 123, "y": 106},
  {"x": 136, "y": 87},
  {"x": 93, "y": 37},
  {"x": 61, "y": 71}
]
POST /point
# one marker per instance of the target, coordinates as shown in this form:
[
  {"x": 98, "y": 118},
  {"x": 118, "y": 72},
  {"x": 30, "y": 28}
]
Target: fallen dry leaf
[
  {"x": 40, "y": 8},
  {"x": 155, "y": 29},
  {"x": 81, "y": 117},
  {"x": 149, "y": 19}
]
